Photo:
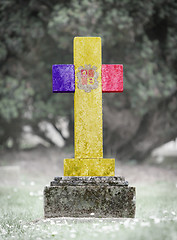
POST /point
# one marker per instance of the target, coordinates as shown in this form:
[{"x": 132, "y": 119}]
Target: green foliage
[
  {"x": 36, "y": 34},
  {"x": 127, "y": 31},
  {"x": 15, "y": 95}
]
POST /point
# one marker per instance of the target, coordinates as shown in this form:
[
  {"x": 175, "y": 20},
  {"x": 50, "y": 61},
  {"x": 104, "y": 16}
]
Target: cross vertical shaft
[{"x": 88, "y": 106}]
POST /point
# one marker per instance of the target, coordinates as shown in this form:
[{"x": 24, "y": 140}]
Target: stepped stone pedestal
[{"x": 89, "y": 197}]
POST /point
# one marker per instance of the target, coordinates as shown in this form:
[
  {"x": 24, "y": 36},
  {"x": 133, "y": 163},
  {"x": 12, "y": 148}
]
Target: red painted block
[{"x": 112, "y": 78}]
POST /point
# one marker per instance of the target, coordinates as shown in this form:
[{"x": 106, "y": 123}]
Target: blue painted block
[{"x": 63, "y": 78}]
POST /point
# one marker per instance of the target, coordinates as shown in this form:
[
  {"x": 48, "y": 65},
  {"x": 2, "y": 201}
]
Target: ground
[{"x": 24, "y": 174}]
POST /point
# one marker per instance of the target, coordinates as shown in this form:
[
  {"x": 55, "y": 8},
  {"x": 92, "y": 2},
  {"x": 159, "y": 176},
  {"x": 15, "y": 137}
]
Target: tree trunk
[{"x": 156, "y": 127}]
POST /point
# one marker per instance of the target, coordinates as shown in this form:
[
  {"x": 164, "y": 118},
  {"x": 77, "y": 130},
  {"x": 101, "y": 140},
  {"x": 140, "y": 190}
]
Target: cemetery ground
[{"x": 24, "y": 174}]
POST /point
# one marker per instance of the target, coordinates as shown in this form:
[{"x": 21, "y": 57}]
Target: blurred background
[
  {"x": 141, "y": 35},
  {"x": 37, "y": 126}
]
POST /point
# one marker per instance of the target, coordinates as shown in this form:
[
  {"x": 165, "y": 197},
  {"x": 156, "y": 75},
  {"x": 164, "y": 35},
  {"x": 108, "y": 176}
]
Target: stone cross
[{"x": 88, "y": 78}]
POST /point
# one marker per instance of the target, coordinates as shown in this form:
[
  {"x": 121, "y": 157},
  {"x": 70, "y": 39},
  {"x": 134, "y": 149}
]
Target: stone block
[
  {"x": 89, "y": 167},
  {"x": 112, "y": 77},
  {"x": 63, "y": 78},
  {"x": 103, "y": 197}
]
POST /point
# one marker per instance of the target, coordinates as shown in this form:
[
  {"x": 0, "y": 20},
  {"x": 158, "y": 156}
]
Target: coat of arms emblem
[{"x": 87, "y": 78}]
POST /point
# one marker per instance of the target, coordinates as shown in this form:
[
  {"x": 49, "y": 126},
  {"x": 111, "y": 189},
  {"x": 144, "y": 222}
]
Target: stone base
[{"x": 106, "y": 197}]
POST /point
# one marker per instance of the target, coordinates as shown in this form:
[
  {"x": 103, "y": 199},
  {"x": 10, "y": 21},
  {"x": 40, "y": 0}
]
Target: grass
[
  {"x": 21, "y": 216},
  {"x": 21, "y": 202}
]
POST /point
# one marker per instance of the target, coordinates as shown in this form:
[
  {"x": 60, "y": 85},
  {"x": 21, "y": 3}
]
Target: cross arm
[
  {"x": 112, "y": 78},
  {"x": 63, "y": 78}
]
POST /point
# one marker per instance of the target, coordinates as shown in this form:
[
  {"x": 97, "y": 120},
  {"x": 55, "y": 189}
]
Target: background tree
[{"x": 141, "y": 35}]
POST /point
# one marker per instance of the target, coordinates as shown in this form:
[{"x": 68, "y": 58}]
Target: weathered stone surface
[
  {"x": 84, "y": 181},
  {"x": 89, "y": 197},
  {"x": 89, "y": 167}
]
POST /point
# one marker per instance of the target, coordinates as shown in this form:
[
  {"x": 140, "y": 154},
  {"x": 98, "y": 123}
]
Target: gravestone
[{"x": 88, "y": 187}]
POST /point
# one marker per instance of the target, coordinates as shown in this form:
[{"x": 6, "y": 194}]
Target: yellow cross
[{"x": 88, "y": 159}]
